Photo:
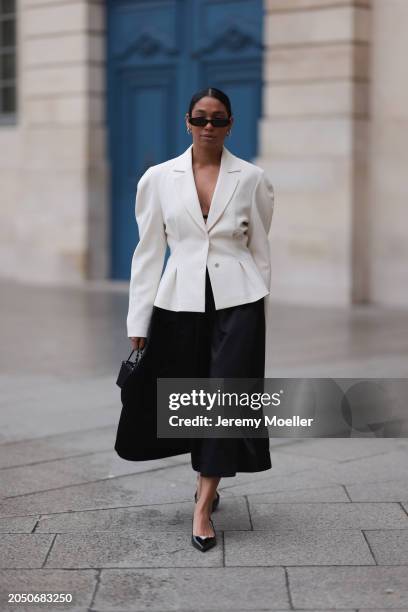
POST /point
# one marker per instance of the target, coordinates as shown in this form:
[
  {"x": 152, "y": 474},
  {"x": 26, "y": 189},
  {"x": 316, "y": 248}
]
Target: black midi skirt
[{"x": 225, "y": 343}]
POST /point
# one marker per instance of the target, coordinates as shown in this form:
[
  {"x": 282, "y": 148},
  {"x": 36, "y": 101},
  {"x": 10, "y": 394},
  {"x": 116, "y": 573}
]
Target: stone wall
[
  {"x": 389, "y": 154},
  {"x": 314, "y": 145},
  {"x": 54, "y": 214}
]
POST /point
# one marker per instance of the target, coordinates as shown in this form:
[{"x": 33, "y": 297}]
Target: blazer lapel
[{"x": 227, "y": 182}]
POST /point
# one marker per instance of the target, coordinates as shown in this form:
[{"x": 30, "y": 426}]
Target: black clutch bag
[{"x": 128, "y": 367}]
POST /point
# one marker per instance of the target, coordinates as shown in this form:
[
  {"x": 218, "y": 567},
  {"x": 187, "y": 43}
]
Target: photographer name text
[{"x": 274, "y": 421}]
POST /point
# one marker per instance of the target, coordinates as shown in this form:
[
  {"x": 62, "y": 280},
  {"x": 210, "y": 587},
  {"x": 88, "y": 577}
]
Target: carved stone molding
[
  {"x": 147, "y": 44},
  {"x": 231, "y": 38}
]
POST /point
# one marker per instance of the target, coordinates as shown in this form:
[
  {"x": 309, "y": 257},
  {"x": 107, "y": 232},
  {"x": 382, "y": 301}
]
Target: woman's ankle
[{"x": 203, "y": 507}]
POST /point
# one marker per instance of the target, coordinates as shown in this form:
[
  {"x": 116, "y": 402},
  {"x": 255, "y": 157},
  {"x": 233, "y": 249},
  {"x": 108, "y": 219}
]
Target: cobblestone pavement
[{"x": 325, "y": 529}]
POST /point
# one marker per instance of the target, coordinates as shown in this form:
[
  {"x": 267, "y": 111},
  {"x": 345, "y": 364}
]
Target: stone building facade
[{"x": 332, "y": 139}]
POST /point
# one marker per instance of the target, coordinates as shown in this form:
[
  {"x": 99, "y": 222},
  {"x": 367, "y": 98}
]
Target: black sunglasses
[{"x": 202, "y": 121}]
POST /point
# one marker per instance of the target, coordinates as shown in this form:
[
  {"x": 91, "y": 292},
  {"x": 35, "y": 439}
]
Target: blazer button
[{"x": 216, "y": 265}]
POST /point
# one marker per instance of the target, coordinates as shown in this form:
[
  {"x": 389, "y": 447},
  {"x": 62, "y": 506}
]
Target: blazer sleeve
[
  {"x": 259, "y": 225},
  {"x": 148, "y": 257}
]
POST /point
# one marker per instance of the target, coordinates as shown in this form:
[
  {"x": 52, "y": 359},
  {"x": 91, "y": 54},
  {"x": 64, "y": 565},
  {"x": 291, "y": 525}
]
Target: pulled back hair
[{"x": 213, "y": 92}]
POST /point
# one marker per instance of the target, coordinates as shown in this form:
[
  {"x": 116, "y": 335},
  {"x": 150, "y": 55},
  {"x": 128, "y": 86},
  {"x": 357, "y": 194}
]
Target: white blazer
[{"x": 233, "y": 243}]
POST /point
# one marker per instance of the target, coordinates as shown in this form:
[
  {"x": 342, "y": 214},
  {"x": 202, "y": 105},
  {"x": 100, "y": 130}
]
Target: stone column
[
  {"x": 389, "y": 153},
  {"x": 62, "y": 209},
  {"x": 314, "y": 145}
]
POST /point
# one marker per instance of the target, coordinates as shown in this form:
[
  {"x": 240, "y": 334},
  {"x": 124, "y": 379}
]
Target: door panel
[{"x": 159, "y": 53}]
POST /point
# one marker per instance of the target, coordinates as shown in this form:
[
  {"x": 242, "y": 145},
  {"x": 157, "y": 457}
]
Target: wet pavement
[{"x": 325, "y": 529}]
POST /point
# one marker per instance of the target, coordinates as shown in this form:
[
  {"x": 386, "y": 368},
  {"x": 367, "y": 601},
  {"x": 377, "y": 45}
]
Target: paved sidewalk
[{"x": 325, "y": 529}]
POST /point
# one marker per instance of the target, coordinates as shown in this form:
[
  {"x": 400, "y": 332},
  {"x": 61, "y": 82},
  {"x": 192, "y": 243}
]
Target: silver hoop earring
[{"x": 188, "y": 131}]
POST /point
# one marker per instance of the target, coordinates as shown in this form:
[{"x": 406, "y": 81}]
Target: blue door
[{"x": 159, "y": 53}]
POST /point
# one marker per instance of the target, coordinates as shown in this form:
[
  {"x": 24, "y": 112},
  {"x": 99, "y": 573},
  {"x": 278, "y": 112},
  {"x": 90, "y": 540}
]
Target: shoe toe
[{"x": 204, "y": 543}]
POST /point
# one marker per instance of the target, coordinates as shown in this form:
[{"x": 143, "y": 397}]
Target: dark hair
[{"x": 213, "y": 92}]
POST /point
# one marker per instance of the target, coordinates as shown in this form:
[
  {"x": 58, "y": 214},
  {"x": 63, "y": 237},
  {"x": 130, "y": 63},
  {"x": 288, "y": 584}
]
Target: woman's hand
[{"x": 138, "y": 343}]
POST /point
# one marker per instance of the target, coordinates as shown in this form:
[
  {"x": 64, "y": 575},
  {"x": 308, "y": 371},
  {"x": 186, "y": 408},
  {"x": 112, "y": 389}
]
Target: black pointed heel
[
  {"x": 215, "y": 503},
  {"x": 203, "y": 544}
]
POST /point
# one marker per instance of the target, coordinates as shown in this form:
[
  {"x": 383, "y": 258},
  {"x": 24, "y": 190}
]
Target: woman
[{"x": 204, "y": 316}]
